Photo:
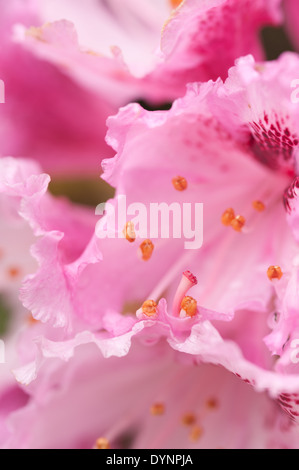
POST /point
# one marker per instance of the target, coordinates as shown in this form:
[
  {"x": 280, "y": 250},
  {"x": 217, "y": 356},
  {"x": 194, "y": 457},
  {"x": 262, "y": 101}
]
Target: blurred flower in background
[
  {"x": 107, "y": 344},
  {"x": 65, "y": 78}
]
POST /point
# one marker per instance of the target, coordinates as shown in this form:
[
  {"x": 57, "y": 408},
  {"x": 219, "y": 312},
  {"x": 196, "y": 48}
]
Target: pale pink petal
[
  {"x": 133, "y": 26},
  {"x": 62, "y": 232},
  {"x": 221, "y": 173},
  {"x": 118, "y": 406}
]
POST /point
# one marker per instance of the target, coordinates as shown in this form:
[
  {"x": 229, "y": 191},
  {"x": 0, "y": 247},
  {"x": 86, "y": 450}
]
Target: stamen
[
  {"x": 238, "y": 223},
  {"x": 146, "y": 249},
  {"x": 179, "y": 183},
  {"x": 196, "y": 433},
  {"x": 188, "y": 280},
  {"x": 102, "y": 443},
  {"x": 228, "y": 216},
  {"x": 157, "y": 409},
  {"x": 129, "y": 232},
  {"x": 175, "y": 3},
  {"x": 149, "y": 308},
  {"x": 31, "y": 320},
  {"x": 274, "y": 272},
  {"x": 212, "y": 404},
  {"x": 258, "y": 206},
  {"x": 189, "y": 305},
  {"x": 188, "y": 419},
  {"x": 36, "y": 32},
  {"x": 13, "y": 272}
]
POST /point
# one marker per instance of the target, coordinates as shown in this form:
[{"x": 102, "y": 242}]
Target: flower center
[{"x": 273, "y": 142}]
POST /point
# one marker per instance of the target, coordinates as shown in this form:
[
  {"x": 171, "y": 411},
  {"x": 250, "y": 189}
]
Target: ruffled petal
[
  {"x": 56, "y": 224},
  {"x": 196, "y": 403},
  {"x": 262, "y": 110},
  {"x": 202, "y": 39}
]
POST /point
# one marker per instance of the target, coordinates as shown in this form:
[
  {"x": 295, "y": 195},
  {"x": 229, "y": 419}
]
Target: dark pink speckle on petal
[{"x": 273, "y": 143}]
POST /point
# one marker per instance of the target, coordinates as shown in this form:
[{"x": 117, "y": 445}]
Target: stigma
[
  {"x": 185, "y": 305},
  {"x": 146, "y": 249},
  {"x": 274, "y": 272}
]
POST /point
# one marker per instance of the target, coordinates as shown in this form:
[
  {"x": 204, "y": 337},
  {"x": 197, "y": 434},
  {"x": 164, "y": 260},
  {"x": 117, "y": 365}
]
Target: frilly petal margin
[
  {"x": 200, "y": 343},
  {"x": 59, "y": 247}
]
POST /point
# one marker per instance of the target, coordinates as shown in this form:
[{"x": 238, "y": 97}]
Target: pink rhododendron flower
[
  {"x": 127, "y": 336},
  {"x": 49, "y": 115},
  {"x": 199, "y": 41},
  {"x": 239, "y": 167},
  {"x": 70, "y": 83},
  {"x": 28, "y": 214},
  {"x": 46, "y": 115}
]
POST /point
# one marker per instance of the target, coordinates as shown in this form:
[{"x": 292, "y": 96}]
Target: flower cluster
[{"x": 112, "y": 337}]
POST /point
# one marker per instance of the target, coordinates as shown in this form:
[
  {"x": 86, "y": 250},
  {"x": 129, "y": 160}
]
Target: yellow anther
[
  {"x": 129, "y": 232},
  {"x": 228, "y": 216},
  {"x": 146, "y": 249},
  {"x": 157, "y": 409},
  {"x": 188, "y": 419},
  {"x": 274, "y": 272},
  {"x": 189, "y": 305},
  {"x": 149, "y": 308},
  {"x": 195, "y": 433},
  {"x": 175, "y": 3},
  {"x": 102, "y": 443},
  {"x": 258, "y": 206},
  {"x": 179, "y": 183},
  {"x": 238, "y": 223}
]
